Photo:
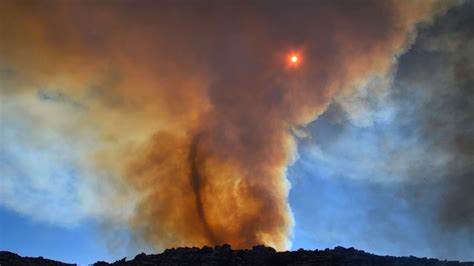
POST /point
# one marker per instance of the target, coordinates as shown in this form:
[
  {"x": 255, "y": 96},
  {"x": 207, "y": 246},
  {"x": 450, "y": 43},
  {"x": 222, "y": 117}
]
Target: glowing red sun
[{"x": 294, "y": 59}]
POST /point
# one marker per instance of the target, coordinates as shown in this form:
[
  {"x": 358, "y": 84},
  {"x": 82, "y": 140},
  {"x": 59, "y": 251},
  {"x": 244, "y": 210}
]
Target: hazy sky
[{"x": 138, "y": 126}]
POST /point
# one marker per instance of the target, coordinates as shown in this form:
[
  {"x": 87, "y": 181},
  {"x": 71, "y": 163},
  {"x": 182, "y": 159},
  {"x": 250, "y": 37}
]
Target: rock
[
  {"x": 258, "y": 255},
  {"x": 140, "y": 256},
  {"x": 12, "y": 259}
]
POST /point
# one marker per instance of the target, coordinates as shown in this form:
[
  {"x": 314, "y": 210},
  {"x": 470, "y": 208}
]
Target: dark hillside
[{"x": 258, "y": 255}]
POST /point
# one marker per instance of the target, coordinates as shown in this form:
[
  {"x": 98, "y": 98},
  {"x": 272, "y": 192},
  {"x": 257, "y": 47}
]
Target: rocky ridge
[{"x": 258, "y": 255}]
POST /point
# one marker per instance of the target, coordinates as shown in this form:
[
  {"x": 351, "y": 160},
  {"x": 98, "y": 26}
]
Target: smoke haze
[
  {"x": 392, "y": 161},
  {"x": 180, "y": 119}
]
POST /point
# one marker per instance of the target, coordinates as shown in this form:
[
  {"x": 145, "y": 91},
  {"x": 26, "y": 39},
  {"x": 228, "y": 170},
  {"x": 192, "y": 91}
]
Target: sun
[{"x": 294, "y": 59}]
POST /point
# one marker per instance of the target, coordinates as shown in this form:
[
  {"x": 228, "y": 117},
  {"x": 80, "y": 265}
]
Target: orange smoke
[{"x": 191, "y": 100}]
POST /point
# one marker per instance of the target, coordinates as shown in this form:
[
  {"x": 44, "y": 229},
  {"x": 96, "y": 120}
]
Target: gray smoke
[{"x": 398, "y": 153}]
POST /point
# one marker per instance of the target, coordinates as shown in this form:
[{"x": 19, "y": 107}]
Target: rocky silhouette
[
  {"x": 12, "y": 259},
  {"x": 258, "y": 255}
]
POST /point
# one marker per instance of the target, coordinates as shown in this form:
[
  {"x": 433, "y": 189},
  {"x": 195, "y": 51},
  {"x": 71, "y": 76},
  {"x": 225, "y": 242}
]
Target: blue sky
[{"x": 80, "y": 244}]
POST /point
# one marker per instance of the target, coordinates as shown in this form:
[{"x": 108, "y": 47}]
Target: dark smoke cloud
[
  {"x": 157, "y": 74},
  {"x": 441, "y": 66},
  {"x": 403, "y": 159}
]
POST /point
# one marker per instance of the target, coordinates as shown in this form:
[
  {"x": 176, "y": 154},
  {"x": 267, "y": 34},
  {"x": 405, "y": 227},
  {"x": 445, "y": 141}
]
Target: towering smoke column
[{"x": 193, "y": 103}]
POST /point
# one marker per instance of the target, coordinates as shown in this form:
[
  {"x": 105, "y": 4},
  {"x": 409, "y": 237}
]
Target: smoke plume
[
  {"x": 397, "y": 154},
  {"x": 191, "y": 106}
]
